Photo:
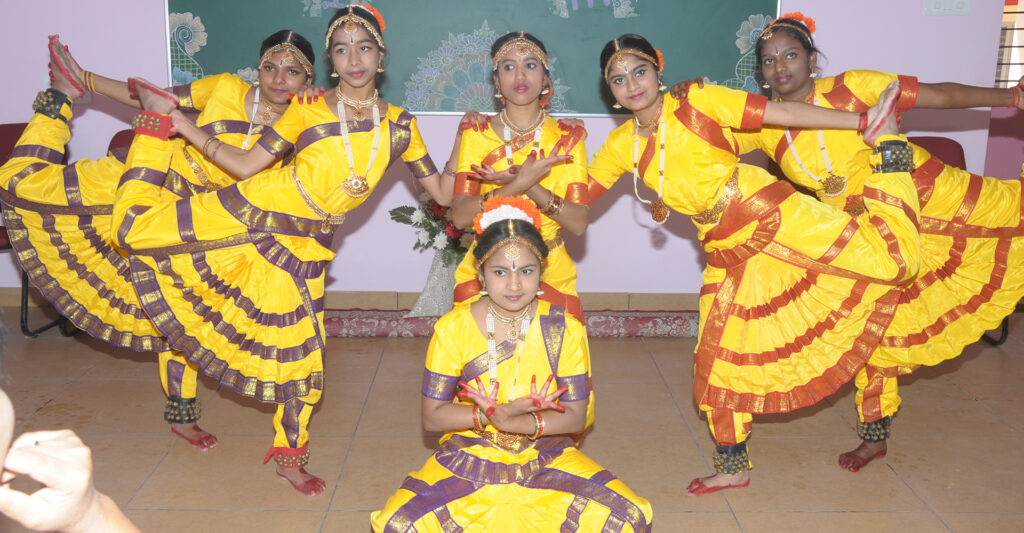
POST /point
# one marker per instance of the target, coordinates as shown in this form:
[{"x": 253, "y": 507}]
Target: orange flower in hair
[
  {"x": 808, "y": 21},
  {"x": 661, "y": 60},
  {"x": 505, "y": 207},
  {"x": 376, "y": 14}
]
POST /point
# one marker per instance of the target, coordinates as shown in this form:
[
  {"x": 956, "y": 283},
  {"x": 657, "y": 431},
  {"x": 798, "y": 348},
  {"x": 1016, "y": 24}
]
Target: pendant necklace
[
  {"x": 357, "y": 105},
  {"x": 659, "y": 210},
  {"x": 518, "y": 326},
  {"x": 833, "y": 184},
  {"x": 355, "y": 185},
  {"x": 520, "y": 133}
]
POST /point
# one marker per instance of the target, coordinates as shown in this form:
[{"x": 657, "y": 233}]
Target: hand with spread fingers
[
  {"x": 546, "y": 401},
  {"x": 681, "y": 89},
  {"x": 486, "y": 402}
]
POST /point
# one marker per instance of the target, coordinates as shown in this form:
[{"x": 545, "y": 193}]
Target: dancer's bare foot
[
  {"x": 195, "y": 435},
  {"x": 153, "y": 98},
  {"x": 717, "y": 482},
  {"x": 862, "y": 455},
  {"x": 66, "y": 73},
  {"x": 303, "y": 481}
]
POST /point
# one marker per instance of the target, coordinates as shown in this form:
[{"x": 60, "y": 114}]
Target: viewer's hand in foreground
[{"x": 68, "y": 501}]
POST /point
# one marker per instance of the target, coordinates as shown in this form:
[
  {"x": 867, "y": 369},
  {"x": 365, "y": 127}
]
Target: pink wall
[{"x": 622, "y": 250}]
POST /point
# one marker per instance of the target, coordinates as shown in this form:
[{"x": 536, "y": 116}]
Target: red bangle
[
  {"x": 153, "y": 124},
  {"x": 1016, "y": 93},
  {"x": 538, "y": 422},
  {"x": 476, "y": 418},
  {"x": 863, "y": 125}
]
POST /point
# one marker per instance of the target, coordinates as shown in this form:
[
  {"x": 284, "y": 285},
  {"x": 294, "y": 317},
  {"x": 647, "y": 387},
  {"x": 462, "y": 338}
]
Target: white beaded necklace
[
  {"x": 252, "y": 119},
  {"x": 492, "y": 349},
  {"x": 659, "y": 211},
  {"x": 832, "y": 185},
  {"x": 537, "y": 128},
  {"x": 356, "y": 185}
]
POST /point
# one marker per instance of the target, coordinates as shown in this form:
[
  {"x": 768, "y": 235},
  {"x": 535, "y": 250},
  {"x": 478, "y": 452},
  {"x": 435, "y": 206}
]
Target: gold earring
[
  {"x": 765, "y": 85},
  {"x": 334, "y": 73},
  {"x": 814, "y": 75},
  {"x": 483, "y": 288},
  {"x": 545, "y": 91},
  {"x": 617, "y": 105},
  {"x": 540, "y": 292}
]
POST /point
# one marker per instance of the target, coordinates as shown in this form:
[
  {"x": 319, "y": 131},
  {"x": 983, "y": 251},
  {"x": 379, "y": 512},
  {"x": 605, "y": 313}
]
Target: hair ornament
[
  {"x": 351, "y": 19},
  {"x": 290, "y": 52},
  {"x": 522, "y": 47},
  {"x": 807, "y": 29},
  {"x": 661, "y": 61},
  {"x": 499, "y": 208},
  {"x": 618, "y": 59}
]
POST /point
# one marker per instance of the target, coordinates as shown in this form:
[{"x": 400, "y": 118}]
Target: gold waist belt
[
  {"x": 510, "y": 442},
  {"x": 713, "y": 214}
]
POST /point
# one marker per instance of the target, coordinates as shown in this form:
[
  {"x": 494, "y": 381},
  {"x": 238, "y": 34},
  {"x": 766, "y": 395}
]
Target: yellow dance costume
[
  {"x": 473, "y": 484},
  {"x": 235, "y": 278},
  {"x": 60, "y": 217},
  {"x": 568, "y": 180},
  {"x": 972, "y": 239},
  {"x": 794, "y": 297}
]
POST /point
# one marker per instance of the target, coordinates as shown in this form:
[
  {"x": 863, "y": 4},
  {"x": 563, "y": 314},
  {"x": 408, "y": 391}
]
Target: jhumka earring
[
  {"x": 545, "y": 91},
  {"x": 617, "y": 105},
  {"x": 540, "y": 292},
  {"x": 661, "y": 86},
  {"x": 765, "y": 85},
  {"x": 380, "y": 66},
  {"x": 814, "y": 75},
  {"x": 497, "y": 91},
  {"x": 334, "y": 74}
]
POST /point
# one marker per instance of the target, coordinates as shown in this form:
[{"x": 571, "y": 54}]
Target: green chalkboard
[{"x": 440, "y": 48}]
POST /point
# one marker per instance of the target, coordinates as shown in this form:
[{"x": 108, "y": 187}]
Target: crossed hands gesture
[{"x": 500, "y": 413}]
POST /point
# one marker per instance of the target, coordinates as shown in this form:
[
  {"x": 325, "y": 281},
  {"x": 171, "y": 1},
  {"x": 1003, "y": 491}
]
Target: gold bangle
[
  {"x": 206, "y": 146},
  {"x": 559, "y": 203},
  {"x": 448, "y": 170}
]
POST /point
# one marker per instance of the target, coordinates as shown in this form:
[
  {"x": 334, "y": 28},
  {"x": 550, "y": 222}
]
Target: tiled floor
[{"x": 956, "y": 456}]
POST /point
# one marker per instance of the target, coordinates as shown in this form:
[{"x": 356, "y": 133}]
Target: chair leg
[
  {"x": 33, "y": 333},
  {"x": 1004, "y": 331}
]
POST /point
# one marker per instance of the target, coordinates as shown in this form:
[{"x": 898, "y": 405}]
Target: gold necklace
[
  {"x": 357, "y": 105},
  {"x": 529, "y": 129},
  {"x": 513, "y": 323},
  {"x": 267, "y": 116}
]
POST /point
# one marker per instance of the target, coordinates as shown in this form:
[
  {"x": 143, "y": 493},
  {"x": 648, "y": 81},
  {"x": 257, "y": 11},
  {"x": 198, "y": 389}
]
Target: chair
[
  {"x": 951, "y": 153},
  {"x": 9, "y": 135}
]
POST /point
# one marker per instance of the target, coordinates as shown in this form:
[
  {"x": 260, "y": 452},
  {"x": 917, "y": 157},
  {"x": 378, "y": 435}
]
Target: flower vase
[{"x": 439, "y": 290}]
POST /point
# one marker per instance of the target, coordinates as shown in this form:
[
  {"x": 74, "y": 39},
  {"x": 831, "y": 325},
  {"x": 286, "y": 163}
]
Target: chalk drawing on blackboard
[
  {"x": 456, "y": 76},
  {"x": 316, "y": 8},
  {"x": 620, "y": 8},
  {"x": 746, "y": 38},
  {"x": 188, "y": 35}
]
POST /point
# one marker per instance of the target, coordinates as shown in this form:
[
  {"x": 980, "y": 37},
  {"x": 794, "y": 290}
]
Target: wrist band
[
  {"x": 538, "y": 424},
  {"x": 448, "y": 170},
  {"x": 153, "y": 124},
  {"x": 1016, "y": 94},
  {"x": 897, "y": 156}
]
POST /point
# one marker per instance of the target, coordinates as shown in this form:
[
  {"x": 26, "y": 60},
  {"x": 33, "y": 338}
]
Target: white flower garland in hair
[{"x": 504, "y": 212}]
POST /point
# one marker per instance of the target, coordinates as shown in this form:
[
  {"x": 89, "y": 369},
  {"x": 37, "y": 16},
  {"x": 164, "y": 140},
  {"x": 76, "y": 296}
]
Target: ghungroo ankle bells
[
  {"x": 182, "y": 410},
  {"x": 50, "y": 103},
  {"x": 896, "y": 156},
  {"x": 288, "y": 457},
  {"x": 153, "y": 124},
  {"x": 731, "y": 459},
  {"x": 876, "y": 431}
]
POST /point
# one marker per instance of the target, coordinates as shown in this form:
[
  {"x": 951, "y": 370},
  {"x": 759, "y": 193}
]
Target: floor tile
[
  {"x": 841, "y": 522},
  {"x": 987, "y": 522},
  {"x": 354, "y": 359},
  {"x": 621, "y": 361},
  {"x": 393, "y": 409},
  {"x": 674, "y": 358},
  {"x": 251, "y": 521},
  {"x": 917, "y": 415},
  {"x": 232, "y": 477},
  {"x": 375, "y": 468},
  {"x": 960, "y": 473}
]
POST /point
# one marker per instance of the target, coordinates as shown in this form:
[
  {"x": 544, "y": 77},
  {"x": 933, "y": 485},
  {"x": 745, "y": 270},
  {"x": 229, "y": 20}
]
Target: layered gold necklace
[{"x": 357, "y": 105}]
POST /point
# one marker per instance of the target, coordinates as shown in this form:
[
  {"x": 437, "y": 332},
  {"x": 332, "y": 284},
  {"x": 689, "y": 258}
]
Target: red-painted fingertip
[
  {"x": 463, "y": 394},
  {"x": 536, "y": 403},
  {"x": 559, "y": 408}
]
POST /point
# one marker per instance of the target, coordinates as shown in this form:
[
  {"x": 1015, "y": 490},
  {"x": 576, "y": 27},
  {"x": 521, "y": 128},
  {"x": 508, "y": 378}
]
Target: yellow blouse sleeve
[
  {"x": 444, "y": 362},
  {"x": 282, "y": 136},
  {"x": 416, "y": 156},
  {"x": 857, "y": 90},
  {"x": 609, "y": 163},
  {"x": 576, "y": 191},
  {"x": 471, "y": 152},
  {"x": 731, "y": 108},
  {"x": 748, "y": 141},
  {"x": 574, "y": 362},
  {"x": 194, "y": 96}
]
